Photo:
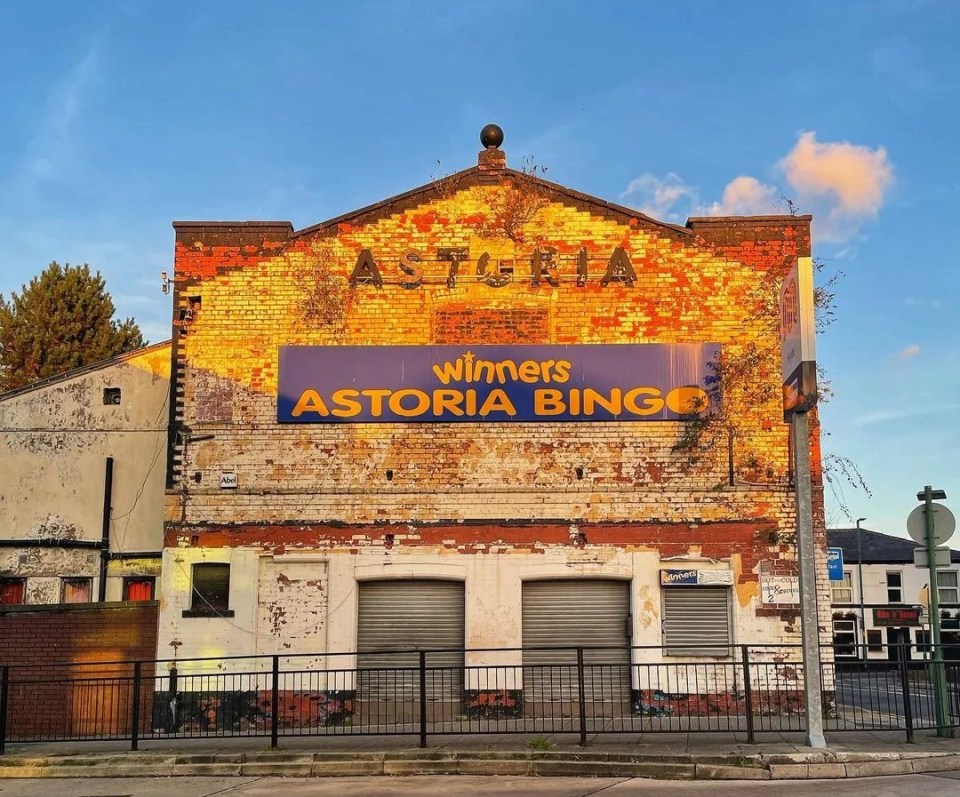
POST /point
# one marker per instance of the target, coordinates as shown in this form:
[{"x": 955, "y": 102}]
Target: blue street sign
[{"x": 835, "y": 563}]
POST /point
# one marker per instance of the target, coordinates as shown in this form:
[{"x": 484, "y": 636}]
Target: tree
[{"x": 62, "y": 319}]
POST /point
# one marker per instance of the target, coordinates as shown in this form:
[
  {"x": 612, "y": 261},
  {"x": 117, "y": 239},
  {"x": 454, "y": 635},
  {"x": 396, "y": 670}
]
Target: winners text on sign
[{"x": 443, "y": 384}]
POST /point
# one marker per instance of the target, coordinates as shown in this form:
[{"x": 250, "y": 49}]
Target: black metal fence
[{"x": 583, "y": 691}]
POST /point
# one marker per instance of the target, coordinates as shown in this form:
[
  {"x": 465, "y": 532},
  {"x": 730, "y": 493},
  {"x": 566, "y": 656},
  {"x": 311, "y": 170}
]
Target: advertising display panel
[{"x": 444, "y": 384}]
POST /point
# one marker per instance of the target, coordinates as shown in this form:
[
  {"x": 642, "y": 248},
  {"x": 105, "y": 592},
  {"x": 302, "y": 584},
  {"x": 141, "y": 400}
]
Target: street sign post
[
  {"x": 799, "y": 371},
  {"x": 935, "y": 515}
]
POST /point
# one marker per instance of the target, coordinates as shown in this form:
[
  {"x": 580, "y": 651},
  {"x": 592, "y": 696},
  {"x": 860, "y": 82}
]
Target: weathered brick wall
[
  {"x": 59, "y": 683},
  {"x": 244, "y": 288}
]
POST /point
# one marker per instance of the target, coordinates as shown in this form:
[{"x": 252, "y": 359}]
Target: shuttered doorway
[
  {"x": 410, "y": 615},
  {"x": 573, "y": 613}
]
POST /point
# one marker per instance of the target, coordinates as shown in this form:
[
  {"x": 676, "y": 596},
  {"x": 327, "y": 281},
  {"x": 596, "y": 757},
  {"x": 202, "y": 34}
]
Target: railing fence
[{"x": 582, "y": 691}]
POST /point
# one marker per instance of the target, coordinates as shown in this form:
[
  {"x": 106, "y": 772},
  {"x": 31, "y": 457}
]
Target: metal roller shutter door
[
  {"x": 576, "y": 613},
  {"x": 405, "y": 615},
  {"x": 696, "y": 621}
]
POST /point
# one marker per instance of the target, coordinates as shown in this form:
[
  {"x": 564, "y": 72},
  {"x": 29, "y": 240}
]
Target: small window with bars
[
  {"x": 210, "y": 593},
  {"x": 696, "y": 621},
  {"x": 875, "y": 641}
]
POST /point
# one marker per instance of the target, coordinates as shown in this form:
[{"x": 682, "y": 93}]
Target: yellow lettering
[
  {"x": 348, "y": 406},
  {"x": 310, "y": 401},
  {"x": 651, "y": 406},
  {"x": 449, "y": 370},
  {"x": 376, "y": 396},
  {"x": 529, "y": 371},
  {"x": 497, "y": 401},
  {"x": 471, "y": 402},
  {"x": 574, "y": 401},
  {"x": 481, "y": 366},
  {"x": 688, "y": 400},
  {"x": 548, "y": 401},
  {"x": 561, "y": 371},
  {"x": 502, "y": 367},
  {"x": 447, "y": 401},
  {"x": 396, "y": 403},
  {"x": 591, "y": 398}
]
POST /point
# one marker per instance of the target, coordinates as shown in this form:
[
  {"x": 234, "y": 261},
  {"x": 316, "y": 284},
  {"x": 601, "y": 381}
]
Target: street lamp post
[{"x": 863, "y": 614}]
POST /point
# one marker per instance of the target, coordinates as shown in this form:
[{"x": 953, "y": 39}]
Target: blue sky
[{"x": 122, "y": 116}]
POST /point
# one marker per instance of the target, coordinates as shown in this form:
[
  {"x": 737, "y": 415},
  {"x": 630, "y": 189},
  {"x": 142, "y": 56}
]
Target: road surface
[{"x": 944, "y": 784}]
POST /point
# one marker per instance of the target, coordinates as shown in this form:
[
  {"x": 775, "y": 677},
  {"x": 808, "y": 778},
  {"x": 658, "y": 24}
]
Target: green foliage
[
  {"x": 62, "y": 319},
  {"x": 539, "y": 743}
]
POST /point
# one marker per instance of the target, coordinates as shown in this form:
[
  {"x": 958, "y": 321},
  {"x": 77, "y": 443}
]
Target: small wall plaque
[{"x": 228, "y": 481}]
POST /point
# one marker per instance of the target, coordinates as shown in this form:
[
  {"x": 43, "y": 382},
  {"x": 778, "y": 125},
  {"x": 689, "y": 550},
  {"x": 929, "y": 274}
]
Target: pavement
[{"x": 679, "y": 756}]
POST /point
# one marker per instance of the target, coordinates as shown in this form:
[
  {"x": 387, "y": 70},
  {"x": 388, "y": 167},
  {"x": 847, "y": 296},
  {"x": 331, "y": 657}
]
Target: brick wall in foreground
[{"x": 57, "y": 686}]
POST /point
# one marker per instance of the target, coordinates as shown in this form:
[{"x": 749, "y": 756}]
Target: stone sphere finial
[{"x": 491, "y": 136}]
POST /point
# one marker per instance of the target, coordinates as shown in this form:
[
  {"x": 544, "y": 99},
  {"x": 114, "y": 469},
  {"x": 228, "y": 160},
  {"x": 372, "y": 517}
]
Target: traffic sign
[
  {"x": 921, "y": 557},
  {"x": 944, "y": 524}
]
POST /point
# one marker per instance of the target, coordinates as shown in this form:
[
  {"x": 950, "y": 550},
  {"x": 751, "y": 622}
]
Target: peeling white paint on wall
[{"x": 54, "y": 442}]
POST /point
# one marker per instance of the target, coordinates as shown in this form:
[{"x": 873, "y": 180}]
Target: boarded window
[
  {"x": 138, "y": 588},
  {"x": 12, "y": 591},
  {"x": 211, "y": 588},
  {"x": 696, "y": 621},
  {"x": 77, "y": 590}
]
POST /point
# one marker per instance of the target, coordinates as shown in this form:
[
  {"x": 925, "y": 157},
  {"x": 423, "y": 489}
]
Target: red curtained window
[
  {"x": 11, "y": 591},
  {"x": 138, "y": 589}
]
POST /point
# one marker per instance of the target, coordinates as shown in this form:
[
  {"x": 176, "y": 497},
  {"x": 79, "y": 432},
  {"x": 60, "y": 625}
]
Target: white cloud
[
  {"x": 746, "y": 196},
  {"x": 923, "y": 302},
  {"x": 657, "y": 197},
  {"x": 908, "y": 352},
  {"x": 840, "y": 183},
  {"x": 879, "y": 416}
]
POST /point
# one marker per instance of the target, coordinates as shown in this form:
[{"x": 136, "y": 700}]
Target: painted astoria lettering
[
  {"x": 545, "y": 266},
  {"x": 344, "y": 384}
]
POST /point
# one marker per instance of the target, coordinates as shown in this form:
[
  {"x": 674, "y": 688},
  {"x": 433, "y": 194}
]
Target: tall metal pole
[
  {"x": 863, "y": 611},
  {"x": 809, "y": 614},
  {"x": 938, "y": 672}
]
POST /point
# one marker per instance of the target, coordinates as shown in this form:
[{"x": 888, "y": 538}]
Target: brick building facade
[{"x": 319, "y": 538}]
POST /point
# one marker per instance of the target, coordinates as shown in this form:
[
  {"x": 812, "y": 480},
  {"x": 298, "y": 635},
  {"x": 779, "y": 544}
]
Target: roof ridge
[{"x": 81, "y": 370}]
